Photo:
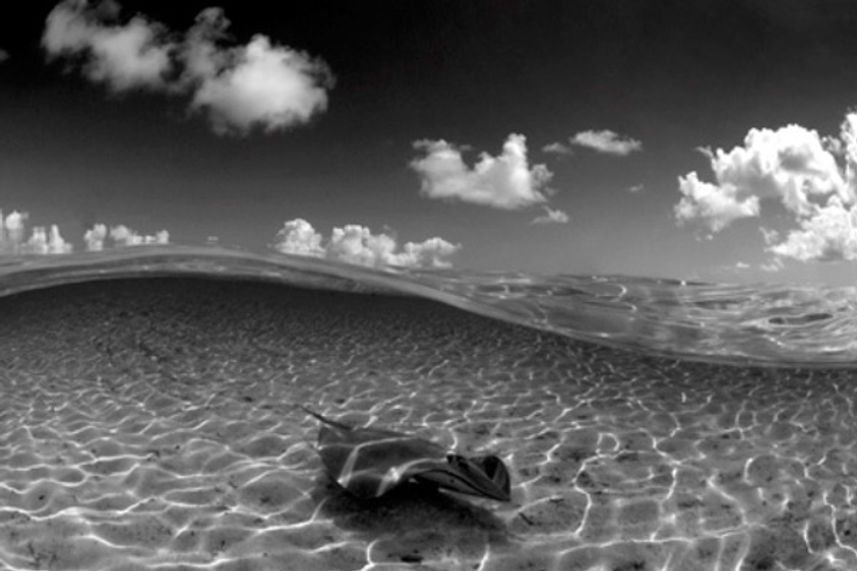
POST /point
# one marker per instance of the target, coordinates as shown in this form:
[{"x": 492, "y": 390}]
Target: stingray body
[{"x": 369, "y": 462}]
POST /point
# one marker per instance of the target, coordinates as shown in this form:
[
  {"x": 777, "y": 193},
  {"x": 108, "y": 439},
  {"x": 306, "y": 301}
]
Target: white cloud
[
  {"x": 356, "y": 244},
  {"x": 829, "y": 234},
  {"x": 239, "y": 87},
  {"x": 123, "y": 236},
  {"x": 812, "y": 177},
  {"x": 13, "y": 230},
  {"x": 94, "y": 238},
  {"x": 299, "y": 237},
  {"x": 430, "y": 253},
  {"x": 47, "y": 242},
  {"x": 506, "y": 181},
  {"x": 558, "y": 149},
  {"x": 261, "y": 83},
  {"x": 124, "y": 57},
  {"x": 790, "y": 164},
  {"x": 551, "y": 216},
  {"x": 607, "y": 141},
  {"x": 716, "y": 206}
]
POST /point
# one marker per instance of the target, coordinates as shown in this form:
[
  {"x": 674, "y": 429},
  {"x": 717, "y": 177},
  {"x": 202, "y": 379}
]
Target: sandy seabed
[{"x": 149, "y": 424}]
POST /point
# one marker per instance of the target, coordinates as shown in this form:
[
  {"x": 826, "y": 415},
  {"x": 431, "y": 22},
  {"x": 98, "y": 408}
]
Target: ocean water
[{"x": 149, "y": 416}]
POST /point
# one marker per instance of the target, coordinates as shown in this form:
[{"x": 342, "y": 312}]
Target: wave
[{"x": 770, "y": 325}]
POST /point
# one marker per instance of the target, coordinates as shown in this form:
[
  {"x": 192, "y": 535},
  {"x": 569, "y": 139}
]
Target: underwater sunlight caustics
[{"x": 181, "y": 408}]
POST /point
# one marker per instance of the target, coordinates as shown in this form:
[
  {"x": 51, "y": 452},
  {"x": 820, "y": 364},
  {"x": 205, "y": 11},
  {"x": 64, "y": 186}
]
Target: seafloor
[{"x": 150, "y": 424}]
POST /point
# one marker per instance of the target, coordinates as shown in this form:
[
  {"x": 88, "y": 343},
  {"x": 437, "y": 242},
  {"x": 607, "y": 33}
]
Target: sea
[{"x": 153, "y": 415}]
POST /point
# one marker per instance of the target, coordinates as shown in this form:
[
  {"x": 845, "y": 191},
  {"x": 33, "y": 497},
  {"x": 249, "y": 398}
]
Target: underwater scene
[{"x": 199, "y": 408}]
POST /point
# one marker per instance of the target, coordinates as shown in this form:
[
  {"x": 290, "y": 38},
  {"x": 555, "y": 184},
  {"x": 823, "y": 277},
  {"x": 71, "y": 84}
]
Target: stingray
[{"x": 369, "y": 462}]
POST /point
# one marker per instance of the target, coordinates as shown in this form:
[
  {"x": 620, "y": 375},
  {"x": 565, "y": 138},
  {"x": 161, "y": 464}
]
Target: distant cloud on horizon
[
  {"x": 45, "y": 240},
  {"x": 42, "y": 240},
  {"x": 94, "y": 238},
  {"x": 352, "y": 243},
  {"x": 506, "y": 181},
  {"x": 813, "y": 177},
  {"x": 121, "y": 237},
  {"x": 260, "y": 84},
  {"x": 355, "y": 244},
  {"x": 12, "y": 227}
]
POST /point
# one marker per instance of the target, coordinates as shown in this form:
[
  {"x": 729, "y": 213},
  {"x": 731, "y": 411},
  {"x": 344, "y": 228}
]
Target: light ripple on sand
[{"x": 151, "y": 428}]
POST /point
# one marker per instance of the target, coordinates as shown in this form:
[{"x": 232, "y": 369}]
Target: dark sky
[{"x": 674, "y": 75}]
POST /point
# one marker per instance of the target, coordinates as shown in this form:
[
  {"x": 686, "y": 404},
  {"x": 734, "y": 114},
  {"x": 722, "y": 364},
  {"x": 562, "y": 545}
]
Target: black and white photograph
[{"x": 448, "y": 285}]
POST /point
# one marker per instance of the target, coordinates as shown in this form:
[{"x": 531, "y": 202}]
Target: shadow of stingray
[{"x": 413, "y": 522}]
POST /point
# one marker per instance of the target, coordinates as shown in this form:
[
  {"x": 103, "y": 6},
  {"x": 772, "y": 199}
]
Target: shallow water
[{"x": 150, "y": 422}]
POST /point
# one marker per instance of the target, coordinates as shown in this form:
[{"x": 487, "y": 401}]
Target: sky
[{"x": 712, "y": 140}]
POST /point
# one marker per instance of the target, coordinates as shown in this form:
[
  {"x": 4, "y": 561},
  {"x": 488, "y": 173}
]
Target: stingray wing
[
  {"x": 485, "y": 476},
  {"x": 369, "y": 462}
]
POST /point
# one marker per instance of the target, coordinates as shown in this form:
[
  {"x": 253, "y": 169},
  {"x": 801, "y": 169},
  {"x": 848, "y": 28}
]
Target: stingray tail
[{"x": 323, "y": 418}]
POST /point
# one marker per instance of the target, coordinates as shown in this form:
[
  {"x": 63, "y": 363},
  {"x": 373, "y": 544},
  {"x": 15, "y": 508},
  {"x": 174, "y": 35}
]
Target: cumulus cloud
[
  {"x": 607, "y": 141},
  {"x": 431, "y": 253},
  {"x": 812, "y": 177},
  {"x": 356, "y": 244},
  {"x": 260, "y": 84},
  {"x": 829, "y": 234},
  {"x": 506, "y": 181},
  {"x": 716, "y": 206},
  {"x": 97, "y": 238},
  {"x": 47, "y": 242},
  {"x": 133, "y": 55},
  {"x": 48, "y": 239},
  {"x": 13, "y": 230},
  {"x": 123, "y": 236},
  {"x": 94, "y": 238},
  {"x": 551, "y": 216},
  {"x": 299, "y": 237}
]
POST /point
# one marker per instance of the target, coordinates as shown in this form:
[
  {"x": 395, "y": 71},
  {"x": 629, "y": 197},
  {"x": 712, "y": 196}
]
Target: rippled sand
[{"x": 148, "y": 424}]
